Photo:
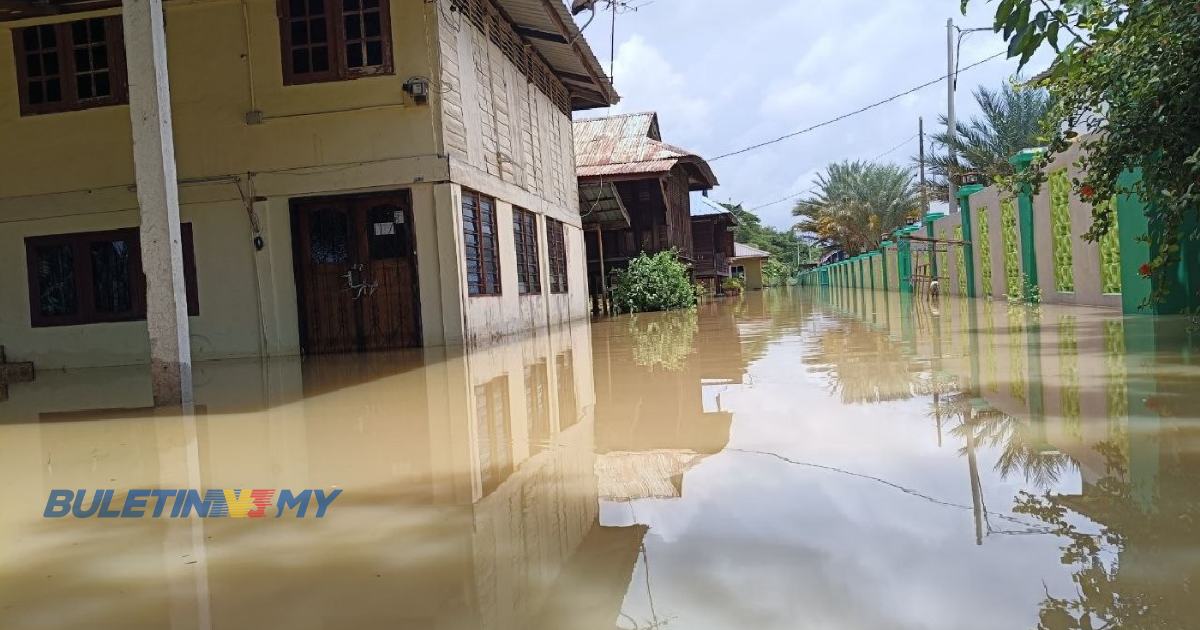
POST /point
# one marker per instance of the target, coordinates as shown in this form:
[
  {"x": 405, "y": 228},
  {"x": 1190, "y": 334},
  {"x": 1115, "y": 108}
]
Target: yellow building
[
  {"x": 308, "y": 177},
  {"x": 747, "y": 263}
]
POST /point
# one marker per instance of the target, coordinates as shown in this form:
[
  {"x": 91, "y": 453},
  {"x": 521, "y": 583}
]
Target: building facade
[{"x": 306, "y": 178}]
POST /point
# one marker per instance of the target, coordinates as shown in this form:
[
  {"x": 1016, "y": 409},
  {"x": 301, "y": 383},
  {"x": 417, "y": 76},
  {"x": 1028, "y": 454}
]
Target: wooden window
[
  {"x": 93, "y": 277},
  {"x": 334, "y": 40},
  {"x": 482, "y": 248},
  {"x": 529, "y": 277},
  {"x": 70, "y": 65},
  {"x": 556, "y": 247}
]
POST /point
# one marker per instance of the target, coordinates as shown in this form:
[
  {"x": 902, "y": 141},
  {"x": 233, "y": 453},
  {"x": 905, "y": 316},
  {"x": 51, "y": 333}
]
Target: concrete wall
[
  {"x": 754, "y": 271},
  {"x": 948, "y": 273},
  {"x": 1085, "y": 255},
  {"x": 73, "y": 172}
]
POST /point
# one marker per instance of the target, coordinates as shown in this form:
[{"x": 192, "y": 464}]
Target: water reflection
[
  {"x": 820, "y": 458},
  {"x": 470, "y": 498},
  {"x": 1079, "y": 391}
]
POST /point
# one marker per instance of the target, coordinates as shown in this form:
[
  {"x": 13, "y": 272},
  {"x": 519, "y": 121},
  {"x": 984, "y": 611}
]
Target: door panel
[
  {"x": 327, "y": 247},
  {"x": 356, "y": 273},
  {"x": 390, "y": 309}
]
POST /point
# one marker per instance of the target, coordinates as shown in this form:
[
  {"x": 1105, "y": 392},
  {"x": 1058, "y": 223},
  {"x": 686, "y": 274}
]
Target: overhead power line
[{"x": 853, "y": 113}]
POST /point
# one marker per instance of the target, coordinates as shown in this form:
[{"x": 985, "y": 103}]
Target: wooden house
[
  {"x": 712, "y": 243},
  {"x": 634, "y": 192}
]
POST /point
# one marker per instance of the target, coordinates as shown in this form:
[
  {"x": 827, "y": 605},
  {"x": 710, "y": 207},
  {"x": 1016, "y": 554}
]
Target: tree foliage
[
  {"x": 780, "y": 244},
  {"x": 776, "y": 273},
  {"x": 1012, "y": 120},
  {"x": 856, "y": 203},
  {"x": 653, "y": 283},
  {"x": 1126, "y": 75}
]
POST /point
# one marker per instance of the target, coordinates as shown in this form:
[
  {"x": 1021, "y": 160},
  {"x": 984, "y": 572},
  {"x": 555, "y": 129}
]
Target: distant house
[
  {"x": 633, "y": 192},
  {"x": 747, "y": 263},
  {"x": 712, "y": 243}
]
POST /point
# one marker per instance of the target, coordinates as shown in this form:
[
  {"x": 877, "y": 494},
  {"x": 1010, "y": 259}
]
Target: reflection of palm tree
[
  {"x": 863, "y": 365},
  {"x": 1021, "y": 449}
]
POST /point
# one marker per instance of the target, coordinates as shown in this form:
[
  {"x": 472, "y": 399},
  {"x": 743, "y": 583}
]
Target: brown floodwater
[{"x": 791, "y": 459}]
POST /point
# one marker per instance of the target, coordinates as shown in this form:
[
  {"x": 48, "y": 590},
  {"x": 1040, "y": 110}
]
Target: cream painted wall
[
  {"x": 72, "y": 172},
  {"x": 754, "y": 272},
  {"x": 1085, "y": 255}
]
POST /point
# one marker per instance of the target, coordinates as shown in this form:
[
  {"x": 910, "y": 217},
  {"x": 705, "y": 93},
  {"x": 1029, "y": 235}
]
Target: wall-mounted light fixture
[{"x": 418, "y": 88}]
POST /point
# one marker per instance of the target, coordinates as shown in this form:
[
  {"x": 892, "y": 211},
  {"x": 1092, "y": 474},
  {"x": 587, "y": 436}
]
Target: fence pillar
[
  {"x": 1021, "y": 162},
  {"x": 904, "y": 262},
  {"x": 883, "y": 248},
  {"x": 929, "y": 220},
  {"x": 968, "y": 247}
]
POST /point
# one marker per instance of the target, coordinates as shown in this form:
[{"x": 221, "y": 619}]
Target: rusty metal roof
[{"x": 629, "y": 144}]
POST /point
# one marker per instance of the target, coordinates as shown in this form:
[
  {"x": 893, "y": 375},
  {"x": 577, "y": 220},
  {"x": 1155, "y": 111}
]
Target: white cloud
[
  {"x": 647, "y": 81},
  {"x": 724, "y": 75}
]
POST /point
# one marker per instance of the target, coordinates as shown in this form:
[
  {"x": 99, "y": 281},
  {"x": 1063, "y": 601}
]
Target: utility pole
[
  {"x": 951, "y": 126},
  {"x": 924, "y": 186}
]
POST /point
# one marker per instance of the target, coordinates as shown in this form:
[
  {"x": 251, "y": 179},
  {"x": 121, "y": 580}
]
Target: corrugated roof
[
  {"x": 548, "y": 26},
  {"x": 628, "y": 144},
  {"x": 742, "y": 250}
]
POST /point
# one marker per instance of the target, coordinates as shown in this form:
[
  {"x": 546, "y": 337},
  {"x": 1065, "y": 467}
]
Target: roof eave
[{"x": 599, "y": 91}]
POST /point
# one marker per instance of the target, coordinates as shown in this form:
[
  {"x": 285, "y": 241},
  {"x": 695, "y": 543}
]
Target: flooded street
[{"x": 792, "y": 459}]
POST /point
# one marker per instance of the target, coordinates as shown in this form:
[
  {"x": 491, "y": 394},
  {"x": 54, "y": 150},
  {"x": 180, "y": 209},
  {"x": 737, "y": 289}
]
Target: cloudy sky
[{"x": 725, "y": 74}]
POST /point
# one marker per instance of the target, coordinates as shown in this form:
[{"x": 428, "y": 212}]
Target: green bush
[
  {"x": 733, "y": 284},
  {"x": 653, "y": 283}
]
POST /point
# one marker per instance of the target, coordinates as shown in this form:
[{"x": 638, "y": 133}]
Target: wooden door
[{"x": 356, "y": 273}]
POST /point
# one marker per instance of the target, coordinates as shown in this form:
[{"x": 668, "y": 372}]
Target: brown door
[{"x": 356, "y": 273}]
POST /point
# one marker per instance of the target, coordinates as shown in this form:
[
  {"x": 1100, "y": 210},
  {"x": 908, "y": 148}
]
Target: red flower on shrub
[
  {"x": 1087, "y": 191},
  {"x": 1144, "y": 270}
]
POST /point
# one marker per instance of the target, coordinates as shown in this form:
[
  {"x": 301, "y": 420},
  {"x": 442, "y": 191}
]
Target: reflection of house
[
  {"x": 469, "y": 498},
  {"x": 286, "y": 179},
  {"x": 748, "y": 263},
  {"x": 658, "y": 399},
  {"x": 712, "y": 243},
  {"x": 634, "y": 190}
]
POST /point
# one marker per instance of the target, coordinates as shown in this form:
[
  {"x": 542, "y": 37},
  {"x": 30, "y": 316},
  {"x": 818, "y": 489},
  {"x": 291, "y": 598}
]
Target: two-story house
[
  {"x": 635, "y": 192},
  {"x": 309, "y": 176}
]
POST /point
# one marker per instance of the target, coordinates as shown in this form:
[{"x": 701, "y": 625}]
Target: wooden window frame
[
  {"x": 556, "y": 249},
  {"x": 114, "y": 41},
  {"x": 335, "y": 37},
  {"x": 474, "y": 227},
  {"x": 86, "y": 312},
  {"x": 525, "y": 237}
]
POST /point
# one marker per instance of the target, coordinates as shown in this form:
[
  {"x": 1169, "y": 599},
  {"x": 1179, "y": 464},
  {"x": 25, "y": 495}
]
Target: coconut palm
[
  {"x": 854, "y": 203},
  {"x": 1011, "y": 121}
]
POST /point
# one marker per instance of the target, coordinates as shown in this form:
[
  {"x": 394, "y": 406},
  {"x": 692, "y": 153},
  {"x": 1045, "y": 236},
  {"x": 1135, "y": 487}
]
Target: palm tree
[
  {"x": 1011, "y": 121},
  {"x": 854, "y": 203}
]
